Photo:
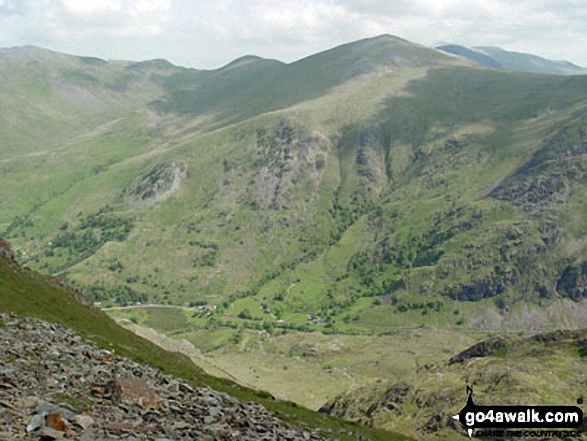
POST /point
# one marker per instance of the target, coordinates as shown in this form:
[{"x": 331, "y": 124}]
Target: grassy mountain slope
[
  {"x": 243, "y": 90},
  {"x": 544, "y": 369},
  {"x": 370, "y": 190},
  {"x": 49, "y": 98},
  {"x": 28, "y": 293},
  {"x": 64, "y": 119},
  {"x": 293, "y": 210}
]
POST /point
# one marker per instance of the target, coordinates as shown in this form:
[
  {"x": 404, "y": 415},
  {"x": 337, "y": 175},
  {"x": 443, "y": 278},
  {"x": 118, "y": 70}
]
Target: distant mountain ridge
[
  {"x": 380, "y": 201},
  {"x": 513, "y": 61},
  {"x": 354, "y": 126}
]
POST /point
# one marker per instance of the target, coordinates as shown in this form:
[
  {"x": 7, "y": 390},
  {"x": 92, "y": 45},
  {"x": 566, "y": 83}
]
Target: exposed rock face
[
  {"x": 365, "y": 412},
  {"x": 493, "y": 345},
  {"x": 481, "y": 349},
  {"x": 156, "y": 185},
  {"x": 53, "y": 385},
  {"x": 290, "y": 155},
  {"x": 6, "y": 251}
]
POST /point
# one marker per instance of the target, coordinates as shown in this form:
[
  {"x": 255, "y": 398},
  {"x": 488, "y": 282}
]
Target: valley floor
[{"x": 308, "y": 368}]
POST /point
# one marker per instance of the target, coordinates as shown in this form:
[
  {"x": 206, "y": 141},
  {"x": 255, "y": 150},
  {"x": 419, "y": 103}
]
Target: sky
[{"x": 210, "y": 33}]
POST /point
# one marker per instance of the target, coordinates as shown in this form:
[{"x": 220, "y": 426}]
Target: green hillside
[
  {"x": 545, "y": 369},
  {"x": 347, "y": 217},
  {"x": 27, "y": 293}
]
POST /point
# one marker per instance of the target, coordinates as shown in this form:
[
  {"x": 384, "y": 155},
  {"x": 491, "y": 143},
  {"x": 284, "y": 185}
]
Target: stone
[
  {"x": 97, "y": 391},
  {"x": 107, "y": 357},
  {"x": 135, "y": 391},
  {"x": 181, "y": 425},
  {"x": 49, "y": 434},
  {"x": 54, "y": 421},
  {"x": 50, "y": 408},
  {"x": 6, "y": 251},
  {"x": 37, "y": 421},
  {"x": 481, "y": 349},
  {"x": 125, "y": 426},
  {"x": 7, "y": 405},
  {"x": 84, "y": 421},
  {"x": 114, "y": 398},
  {"x": 185, "y": 388}
]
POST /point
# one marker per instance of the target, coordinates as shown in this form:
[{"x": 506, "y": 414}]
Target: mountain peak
[
  {"x": 389, "y": 37},
  {"x": 157, "y": 63},
  {"x": 367, "y": 55},
  {"x": 30, "y": 52},
  {"x": 248, "y": 60},
  {"x": 384, "y": 40}
]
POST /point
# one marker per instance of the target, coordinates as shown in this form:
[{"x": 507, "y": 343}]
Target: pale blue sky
[{"x": 210, "y": 33}]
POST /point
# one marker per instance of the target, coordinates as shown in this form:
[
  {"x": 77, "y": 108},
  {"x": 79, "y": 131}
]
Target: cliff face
[{"x": 6, "y": 251}]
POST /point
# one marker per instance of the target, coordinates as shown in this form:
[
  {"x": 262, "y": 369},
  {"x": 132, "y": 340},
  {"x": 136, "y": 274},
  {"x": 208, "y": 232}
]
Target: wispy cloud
[{"x": 208, "y": 33}]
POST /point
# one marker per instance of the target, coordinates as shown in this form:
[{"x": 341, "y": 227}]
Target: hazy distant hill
[
  {"x": 471, "y": 55},
  {"x": 514, "y": 61}
]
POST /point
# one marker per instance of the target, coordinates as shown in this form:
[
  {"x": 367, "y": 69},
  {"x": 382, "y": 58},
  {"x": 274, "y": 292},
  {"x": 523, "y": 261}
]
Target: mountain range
[
  {"x": 294, "y": 221},
  {"x": 513, "y": 61}
]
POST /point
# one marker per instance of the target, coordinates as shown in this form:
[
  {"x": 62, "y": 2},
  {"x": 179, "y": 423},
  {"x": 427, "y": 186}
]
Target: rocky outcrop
[
  {"x": 290, "y": 156},
  {"x": 6, "y": 251},
  {"x": 481, "y": 349},
  {"x": 54, "y": 385},
  {"x": 156, "y": 185}
]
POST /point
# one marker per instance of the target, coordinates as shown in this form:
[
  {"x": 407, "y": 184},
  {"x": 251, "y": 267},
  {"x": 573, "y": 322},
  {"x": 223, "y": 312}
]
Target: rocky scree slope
[
  {"x": 29, "y": 294},
  {"x": 53, "y": 385}
]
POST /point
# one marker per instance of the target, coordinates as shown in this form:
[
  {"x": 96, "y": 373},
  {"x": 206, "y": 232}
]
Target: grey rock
[
  {"x": 81, "y": 372},
  {"x": 47, "y": 408},
  {"x": 48, "y": 434},
  {"x": 84, "y": 421},
  {"x": 37, "y": 422}
]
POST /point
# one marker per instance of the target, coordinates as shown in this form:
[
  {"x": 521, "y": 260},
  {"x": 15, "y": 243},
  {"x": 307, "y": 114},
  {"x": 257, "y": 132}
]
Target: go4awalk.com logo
[{"x": 508, "y": 421}]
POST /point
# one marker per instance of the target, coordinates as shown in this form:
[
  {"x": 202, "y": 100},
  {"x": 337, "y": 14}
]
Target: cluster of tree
[
  {"x": 424, "y": 306},
  {"x": 122, "y": 295},
  {"x": 91, "y": 232},
  {"x": 345, "y": 216},
  {"x": 206, "y": 259},
  {"x": 205, "y": 245},
  {"x": 18, "y": 222}
]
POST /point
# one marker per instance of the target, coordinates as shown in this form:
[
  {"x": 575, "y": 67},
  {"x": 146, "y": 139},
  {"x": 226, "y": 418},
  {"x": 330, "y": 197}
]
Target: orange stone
[
  {"x": 134, "y": 392},
  {"x": 54, "y": 421},
  {"x": 97, "y": 391}
]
